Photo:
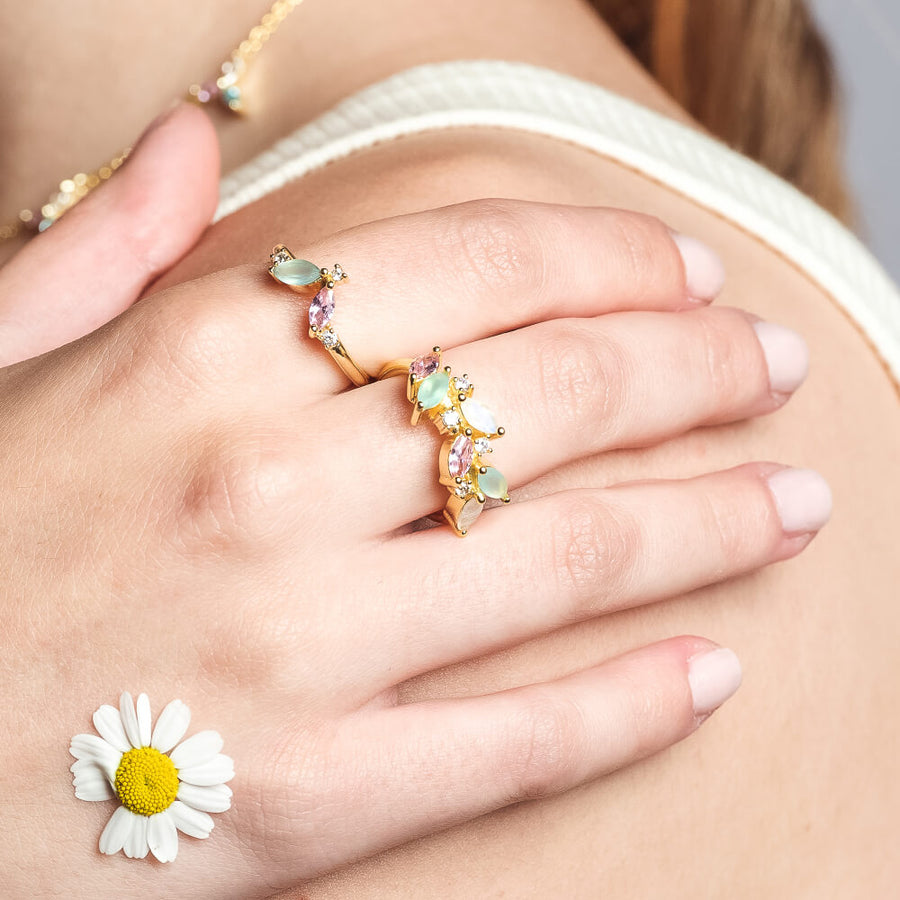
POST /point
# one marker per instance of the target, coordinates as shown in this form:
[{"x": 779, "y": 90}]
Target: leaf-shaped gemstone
[
  {"x": 462, "y": 451},
  {"x": 492, "y": 483},
  {"x": 300, "y": 272},
  {"x": 425, "y": 365},
  {"x": 479, "y": 417},
  {"x": 468, "y": 514},
  {"x": 433, "y": 390},
  {"x": 321, "y": 309}
]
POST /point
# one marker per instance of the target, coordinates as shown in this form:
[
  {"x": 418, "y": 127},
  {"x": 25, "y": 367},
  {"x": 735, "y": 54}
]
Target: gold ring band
[
  {"x": 307, "y": 278},
  {"x": 468, "y": 429}
]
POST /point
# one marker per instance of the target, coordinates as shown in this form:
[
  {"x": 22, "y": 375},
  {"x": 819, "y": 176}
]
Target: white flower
[{"x": 160, "y": 789}]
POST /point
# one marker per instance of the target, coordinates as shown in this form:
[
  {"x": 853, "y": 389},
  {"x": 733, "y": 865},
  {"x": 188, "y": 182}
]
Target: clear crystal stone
[
  {"x": 461, "y": 383},
  {"x": 483, "y": 445},
  {"x": 462, "y": 490},
  {"x": 450, "y": 418},
  {"x": 329, "y": 339},
  {"x": 280, "y": 257}
]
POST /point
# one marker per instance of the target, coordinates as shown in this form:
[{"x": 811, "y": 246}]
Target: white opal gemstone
[
  {"x": 469, "y": 513},
  {"x": 479, "y": 417}
]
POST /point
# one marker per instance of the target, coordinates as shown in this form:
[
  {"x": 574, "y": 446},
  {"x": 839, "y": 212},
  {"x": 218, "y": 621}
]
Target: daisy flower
[{"x": 159, "y": 789}]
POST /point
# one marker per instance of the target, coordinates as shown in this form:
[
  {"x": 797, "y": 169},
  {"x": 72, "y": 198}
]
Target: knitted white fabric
[{"x": 520, "y": 96}]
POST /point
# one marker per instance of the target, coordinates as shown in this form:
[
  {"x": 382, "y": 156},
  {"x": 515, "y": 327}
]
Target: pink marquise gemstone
[
  {"x": 425, "y": 365},
  {"x": 462, "y": 450},
  {"x": 322, "y": 308}
]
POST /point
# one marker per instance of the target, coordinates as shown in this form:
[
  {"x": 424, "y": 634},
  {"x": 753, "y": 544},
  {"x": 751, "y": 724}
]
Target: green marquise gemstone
[
  {"x": 297, "y": 271},
  {"x": 433, "y": 390},
  {"x": 492, "y": 483}
]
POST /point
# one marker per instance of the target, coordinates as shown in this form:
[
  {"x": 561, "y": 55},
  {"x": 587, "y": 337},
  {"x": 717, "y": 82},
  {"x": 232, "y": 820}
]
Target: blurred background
[{"x": 865, "y": 39}]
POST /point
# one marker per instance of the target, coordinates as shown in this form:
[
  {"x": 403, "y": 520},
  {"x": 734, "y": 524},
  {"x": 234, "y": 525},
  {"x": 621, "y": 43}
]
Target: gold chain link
[{"x": 224, "y": 89}]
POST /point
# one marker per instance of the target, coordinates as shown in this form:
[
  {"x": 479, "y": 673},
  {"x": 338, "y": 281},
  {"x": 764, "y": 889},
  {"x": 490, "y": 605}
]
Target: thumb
[{"x": 97, "y": 259}]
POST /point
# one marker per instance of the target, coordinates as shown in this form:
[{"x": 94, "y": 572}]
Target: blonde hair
[{"x": 756, "y": 73}]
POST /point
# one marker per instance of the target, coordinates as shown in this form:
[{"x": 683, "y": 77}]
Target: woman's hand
[{"x": 196, "y": 507}]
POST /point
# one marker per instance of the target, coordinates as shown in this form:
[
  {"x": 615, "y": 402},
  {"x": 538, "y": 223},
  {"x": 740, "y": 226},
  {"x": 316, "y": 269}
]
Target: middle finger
[{"x": 566, "y": 389}]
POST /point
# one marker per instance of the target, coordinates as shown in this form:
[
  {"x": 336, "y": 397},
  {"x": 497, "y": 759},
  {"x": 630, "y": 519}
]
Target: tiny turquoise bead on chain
[{"x": 299, "y": 272}]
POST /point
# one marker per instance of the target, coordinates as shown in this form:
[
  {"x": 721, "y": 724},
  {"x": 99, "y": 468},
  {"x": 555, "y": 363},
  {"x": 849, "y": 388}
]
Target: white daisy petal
[
  {"x": 191, "y": 821},
  {"x": 90, "y": 783},
  {"x": 171, "y": 726},
  {"x": 143, "y": 718},
  {"x": 162, "y": 837},
  {"x": 94, "y": 749},
  {"x": 216, "y": 771},
  {"x": 129, "y": 719},
  {"x": 117, "y": 831},
  {"x": 82, "y": 765},
  {"x": 196, "y": 750},
  {"x": 95, "y": 791},
  {"x": 109, "y": 723},
  {"x": 214, "y": 799},
  {"x": 136, "y": 846}
]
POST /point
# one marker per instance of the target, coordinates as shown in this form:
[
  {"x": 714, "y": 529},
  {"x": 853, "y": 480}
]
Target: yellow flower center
[{"x": 146, "y": 781}]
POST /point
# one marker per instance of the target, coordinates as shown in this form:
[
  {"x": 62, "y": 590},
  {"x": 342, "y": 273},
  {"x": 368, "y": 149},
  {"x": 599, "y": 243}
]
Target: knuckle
[
  {"x": 722, "y": 359},
  {"x": 581, "y": 374},
  {"x": 546, "y": 747},
  {"x": 496, "y": 242},
  {"x": 287, "y": 788},
  {"x": 595, "y": 550},
  {"x": 728, "y": 533},
  {"x": 237, "y": 494},
  {"x": 190, "y": 341},
  {"x": 639, "y": 241}
]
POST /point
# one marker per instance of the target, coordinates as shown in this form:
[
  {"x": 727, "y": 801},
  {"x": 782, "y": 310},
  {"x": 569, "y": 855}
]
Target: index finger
[{"x": 458, "y": 274}]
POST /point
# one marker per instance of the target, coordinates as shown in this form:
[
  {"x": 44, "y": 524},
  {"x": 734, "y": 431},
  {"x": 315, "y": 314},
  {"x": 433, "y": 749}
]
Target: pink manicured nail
[
  {"x": 802, "y": 498},
  {"x": 787, "y": 356},
  {"x": 713, "y": 676},
  {"x": 703, "y": 269}
]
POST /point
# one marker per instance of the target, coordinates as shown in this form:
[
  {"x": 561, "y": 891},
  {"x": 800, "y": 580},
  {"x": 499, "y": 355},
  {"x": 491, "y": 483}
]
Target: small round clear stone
[
  {"x": 461, "y": 383},
  {"x": 483, "y": 445},
  {"x": 462, "y": 490},
  {"x": 329, "y": 339},
  {"x": 450, "y": 418}
]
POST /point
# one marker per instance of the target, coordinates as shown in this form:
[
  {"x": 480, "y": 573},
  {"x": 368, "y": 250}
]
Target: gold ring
[
  {"x": 307, "y": 278},
  {"x": 469, "y": 428}
]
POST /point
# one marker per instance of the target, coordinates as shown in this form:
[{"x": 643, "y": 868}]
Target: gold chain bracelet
[{"x": 225, "y": 90}]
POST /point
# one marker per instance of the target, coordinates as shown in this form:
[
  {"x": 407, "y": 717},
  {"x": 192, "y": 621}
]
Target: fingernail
[
  {"x": 714, "y": 676},
  {"x": 787, "y": 356},
  {"x": 704, "y": 271},
  {"x": 802, "y": 498}
]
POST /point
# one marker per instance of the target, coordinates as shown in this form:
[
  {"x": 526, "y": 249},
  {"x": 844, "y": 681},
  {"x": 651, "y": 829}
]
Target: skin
[{"x": 816, "y": 639}]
